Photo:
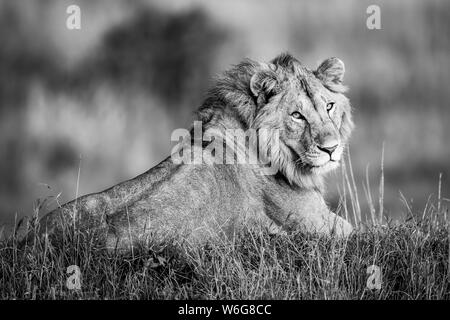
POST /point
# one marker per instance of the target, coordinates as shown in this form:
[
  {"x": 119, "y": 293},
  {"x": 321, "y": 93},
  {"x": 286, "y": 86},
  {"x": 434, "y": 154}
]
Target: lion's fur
[
  {"x": 198, "y": 202},
  {"x": 231, "y": 97}
]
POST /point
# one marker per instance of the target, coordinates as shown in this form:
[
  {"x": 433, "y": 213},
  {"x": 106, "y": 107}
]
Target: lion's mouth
[
  {"x": 312, "y": 161},
  {"x": 320, "y": 162}
]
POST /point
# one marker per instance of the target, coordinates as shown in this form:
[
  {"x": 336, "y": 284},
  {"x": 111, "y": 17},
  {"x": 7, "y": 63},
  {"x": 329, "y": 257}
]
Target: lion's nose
[{"x": 329, "y": 148}]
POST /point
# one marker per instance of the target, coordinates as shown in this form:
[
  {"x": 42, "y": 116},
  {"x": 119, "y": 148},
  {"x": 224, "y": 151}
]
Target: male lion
[{"x": 196, "y": 202}]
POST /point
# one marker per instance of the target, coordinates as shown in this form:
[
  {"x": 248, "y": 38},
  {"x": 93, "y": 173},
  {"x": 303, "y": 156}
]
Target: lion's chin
[{"x": 324, "y": 168}]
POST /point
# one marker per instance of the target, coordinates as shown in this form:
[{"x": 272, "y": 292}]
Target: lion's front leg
[
  {"x": 327, "y": 223},
  {"x": 307, "y": 212}
]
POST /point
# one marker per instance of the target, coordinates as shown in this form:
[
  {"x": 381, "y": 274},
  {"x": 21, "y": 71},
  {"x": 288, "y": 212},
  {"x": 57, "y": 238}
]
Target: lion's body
[{"x": 199, "y": 202}]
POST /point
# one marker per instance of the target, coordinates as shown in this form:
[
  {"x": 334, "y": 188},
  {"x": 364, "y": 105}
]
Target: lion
[{"x": 199, "y": 201}]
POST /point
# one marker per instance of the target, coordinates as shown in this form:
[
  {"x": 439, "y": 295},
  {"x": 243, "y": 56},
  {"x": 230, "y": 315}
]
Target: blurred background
[{"x": 105, "y": 99}]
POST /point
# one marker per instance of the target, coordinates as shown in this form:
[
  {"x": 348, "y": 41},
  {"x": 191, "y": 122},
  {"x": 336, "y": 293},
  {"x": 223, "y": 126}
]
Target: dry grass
[{"x": 413, "y": 256}]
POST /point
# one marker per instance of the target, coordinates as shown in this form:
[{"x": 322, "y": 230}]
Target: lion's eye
[
  {"x": 330, "y": 106},
  {"x": 297, "y": 115}
]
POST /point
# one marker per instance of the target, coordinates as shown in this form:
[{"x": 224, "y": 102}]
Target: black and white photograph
[{"x": 224, "y": 155}]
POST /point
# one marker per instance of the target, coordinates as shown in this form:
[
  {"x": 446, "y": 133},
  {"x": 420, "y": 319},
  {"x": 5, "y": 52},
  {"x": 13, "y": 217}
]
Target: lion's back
[{"x": 194, "y": 202}]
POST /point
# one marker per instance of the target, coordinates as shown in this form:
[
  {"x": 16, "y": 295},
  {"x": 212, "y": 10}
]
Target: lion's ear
[
  {"x": 331, "y": 70},
  {"x": 264, "y": 82}
]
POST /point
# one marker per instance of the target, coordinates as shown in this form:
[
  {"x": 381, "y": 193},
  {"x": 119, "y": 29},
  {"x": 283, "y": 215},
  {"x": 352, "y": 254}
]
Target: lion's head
[{"x": 308, "y": 108}]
